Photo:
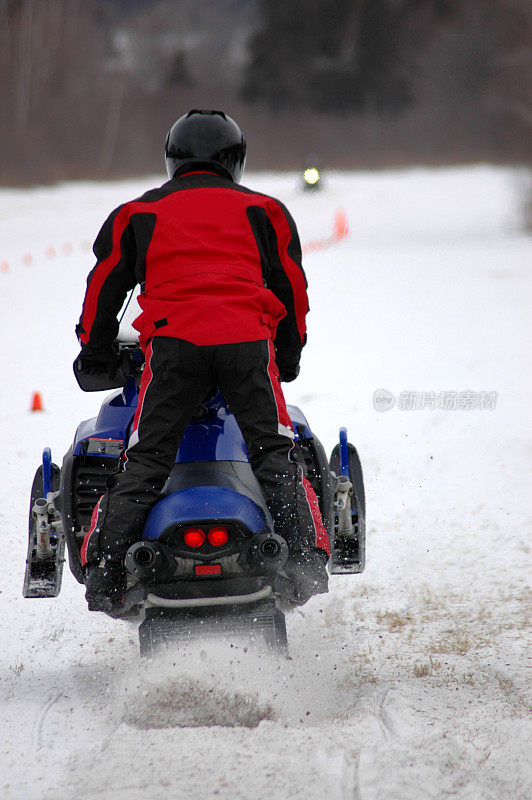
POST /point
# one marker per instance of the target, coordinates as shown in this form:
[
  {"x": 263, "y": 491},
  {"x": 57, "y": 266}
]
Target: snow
[{"x": 405, "y": 683}]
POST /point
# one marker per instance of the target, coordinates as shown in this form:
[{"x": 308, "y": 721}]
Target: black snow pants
[{"x": 177, "y": 377}]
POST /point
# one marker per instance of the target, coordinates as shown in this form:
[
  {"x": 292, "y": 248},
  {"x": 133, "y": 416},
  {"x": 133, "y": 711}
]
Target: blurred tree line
[{"x": 89, "y": 87}]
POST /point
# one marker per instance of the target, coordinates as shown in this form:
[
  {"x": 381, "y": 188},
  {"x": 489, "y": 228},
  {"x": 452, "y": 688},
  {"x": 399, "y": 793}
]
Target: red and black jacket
[{"x": 218, "y": 263}]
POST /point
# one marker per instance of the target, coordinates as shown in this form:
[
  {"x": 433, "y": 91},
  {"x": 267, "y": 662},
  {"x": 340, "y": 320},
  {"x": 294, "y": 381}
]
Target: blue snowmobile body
[{"x": 209, "y": 552}]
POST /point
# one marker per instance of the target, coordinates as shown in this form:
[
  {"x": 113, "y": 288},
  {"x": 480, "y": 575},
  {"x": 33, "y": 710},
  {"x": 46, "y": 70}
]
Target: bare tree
[{"x": 55, "y": 85}]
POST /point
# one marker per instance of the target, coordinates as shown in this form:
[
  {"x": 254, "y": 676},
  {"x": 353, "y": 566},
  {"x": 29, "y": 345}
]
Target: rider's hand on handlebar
[{"x": 95, "y": 361}]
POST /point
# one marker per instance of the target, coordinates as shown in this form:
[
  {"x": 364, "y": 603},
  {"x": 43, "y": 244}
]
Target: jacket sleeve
[
  {"x": 287, "y": 281},
  {"x": 109, "y": 281}
]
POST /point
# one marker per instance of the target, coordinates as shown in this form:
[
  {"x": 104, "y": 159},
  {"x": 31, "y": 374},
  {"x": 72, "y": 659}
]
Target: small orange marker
[
  {"x": 341, "y": 226},
  {"x": 4, "y": 266},
  {"x": 50, "y": 252},
  {"x": 27, "y": 259},
  {"x": 36, "y": 402}
]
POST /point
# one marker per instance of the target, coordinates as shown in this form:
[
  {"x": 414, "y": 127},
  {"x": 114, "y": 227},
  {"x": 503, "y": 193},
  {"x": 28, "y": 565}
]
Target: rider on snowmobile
[{"x": 223, "y": 304}]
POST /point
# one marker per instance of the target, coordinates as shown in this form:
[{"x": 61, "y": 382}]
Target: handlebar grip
[
  {"x": 88, "y": 382},
  {"x": 130, "y": 363}
]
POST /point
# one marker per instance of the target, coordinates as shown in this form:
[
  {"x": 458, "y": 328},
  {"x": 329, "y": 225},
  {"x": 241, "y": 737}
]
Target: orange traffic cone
[
  {"x": 341, "y": 226},
  {"x": 36, "y": 402}
]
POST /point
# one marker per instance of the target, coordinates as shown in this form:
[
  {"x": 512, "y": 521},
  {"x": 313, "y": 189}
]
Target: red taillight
[
  {"x": 208, "y": 569},
  {"x": 218, "y": 536},
  {"x": 193, "y": 537}
]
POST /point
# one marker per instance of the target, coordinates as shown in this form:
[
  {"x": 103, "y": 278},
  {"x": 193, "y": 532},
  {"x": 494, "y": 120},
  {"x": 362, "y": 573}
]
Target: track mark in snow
[
  {"x": 385, "y": 719},
  {"x": 338, "y": 773},
  {"x": 367, "y": 775},
  {"x": 37, "y": 730}
]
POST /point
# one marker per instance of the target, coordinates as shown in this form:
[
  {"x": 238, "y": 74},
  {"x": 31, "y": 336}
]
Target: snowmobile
[{"x": 209, "y": 561}]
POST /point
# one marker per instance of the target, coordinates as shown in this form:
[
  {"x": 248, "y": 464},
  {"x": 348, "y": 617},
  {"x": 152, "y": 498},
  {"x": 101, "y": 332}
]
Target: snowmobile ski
[
  {"x": 348, "y": 548},
  {"x": 46, "y": 544}
]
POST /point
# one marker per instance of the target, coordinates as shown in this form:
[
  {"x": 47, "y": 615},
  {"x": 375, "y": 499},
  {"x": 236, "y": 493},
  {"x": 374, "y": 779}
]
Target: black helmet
[{"x": 206, "y": 139}]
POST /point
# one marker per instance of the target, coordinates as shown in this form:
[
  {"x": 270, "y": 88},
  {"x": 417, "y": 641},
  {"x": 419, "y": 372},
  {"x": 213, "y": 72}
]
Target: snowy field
[{"x": 405, "y": 683}]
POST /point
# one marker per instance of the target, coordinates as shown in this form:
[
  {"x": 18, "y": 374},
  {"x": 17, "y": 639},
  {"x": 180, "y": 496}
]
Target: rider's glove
[
  {"x": 287, "y": 372},
  {"x": 98, "y": 361}
]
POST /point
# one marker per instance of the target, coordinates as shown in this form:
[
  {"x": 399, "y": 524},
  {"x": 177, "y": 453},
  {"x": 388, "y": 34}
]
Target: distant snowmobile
[
  {"x": 209, "y": 561},
  {"x": 312, "y": 175}
]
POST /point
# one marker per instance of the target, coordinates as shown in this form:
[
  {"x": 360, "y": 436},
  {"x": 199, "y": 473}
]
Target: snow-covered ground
[{"x": 405, "y": 683}]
